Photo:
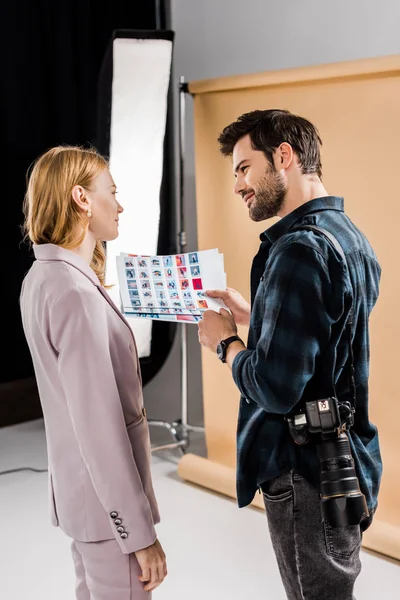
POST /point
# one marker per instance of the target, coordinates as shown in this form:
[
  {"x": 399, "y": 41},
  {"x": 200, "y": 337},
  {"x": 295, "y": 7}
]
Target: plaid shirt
[{"x": 297, "y": 346}]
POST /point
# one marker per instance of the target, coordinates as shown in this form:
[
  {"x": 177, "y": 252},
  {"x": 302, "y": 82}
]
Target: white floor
[{"x": 214, "y": 550}]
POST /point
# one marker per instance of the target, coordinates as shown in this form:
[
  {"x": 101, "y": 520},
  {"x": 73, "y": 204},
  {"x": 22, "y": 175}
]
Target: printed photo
[
  {"x": 202, "y": 304},
  {"x": 187, "y": 295},
  {"x": 155, "y": 262},
  {"x": 160, "y": 294},
  {"x": 171, "y": 285},
  {"x": 184, "y": 284},
  {"x": 197, "y": 284},
  {"x": 144, "y": 274},
  {"x": 132, "y": 285},
  {"x": 159, "y": 284},
  {"x": 135, "y": 302},
  {"x": 190, "y": 304},
  {"x": 147, "y": 294},
  {"x": 201, "y": 295},
  {"x": 167, "y": 261},
  {"x": 193, "y": 258},
  {"x": 145, "y": 285},
  {"x": 176, "y": 303},
  {"x": 195, "y": 271},
  {"x": 129, "y": 262},
  {"x": 133, "y": 293},
  {"x": 174, "y": 295},
  {"x": 182, "y": 272},
  {"x": 169, "y": 273},
  {"x": 142, "y": 263},
  {"x": 157, "y": 273},
  {"x": 130, "y": 273},
  {"x": 149, "y": 304},
  {"x": 180, "y": 260},
  {"x": 188, "y": 318}
]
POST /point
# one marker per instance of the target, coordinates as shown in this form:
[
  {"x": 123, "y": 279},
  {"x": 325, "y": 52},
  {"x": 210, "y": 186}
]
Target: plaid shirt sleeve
[{"x": 295, "y": 307}]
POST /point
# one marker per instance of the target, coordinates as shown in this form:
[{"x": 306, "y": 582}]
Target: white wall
[{"x": 227, "y": 37}]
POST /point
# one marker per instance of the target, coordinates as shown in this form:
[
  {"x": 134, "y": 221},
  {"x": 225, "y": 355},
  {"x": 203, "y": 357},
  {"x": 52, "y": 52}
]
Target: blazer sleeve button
[
  {"x": 113, "y": 514},
  {"x": 120, "y": 529},
  {"x": 124, "y": 535},
  {"x": 118, "y": 521}
]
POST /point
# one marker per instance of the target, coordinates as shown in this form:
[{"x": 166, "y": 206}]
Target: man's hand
[
  {"x": 215, "y": 327},
  {"x": 153, "y": 564},
  {"x": 238, "y": 306}
]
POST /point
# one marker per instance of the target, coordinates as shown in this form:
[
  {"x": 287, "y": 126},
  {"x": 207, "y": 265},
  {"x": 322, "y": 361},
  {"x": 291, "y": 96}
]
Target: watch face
[{"x": 220, "y": 351}]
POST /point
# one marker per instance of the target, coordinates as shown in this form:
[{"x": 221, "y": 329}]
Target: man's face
[{"x": 261, "y": 186}]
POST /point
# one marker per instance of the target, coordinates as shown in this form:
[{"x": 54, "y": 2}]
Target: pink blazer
[{"x": 88, "y": 375}]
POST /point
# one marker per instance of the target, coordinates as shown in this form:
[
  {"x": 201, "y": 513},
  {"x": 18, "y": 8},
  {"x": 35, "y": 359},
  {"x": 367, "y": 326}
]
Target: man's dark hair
[{"x": 268, "y": 129}]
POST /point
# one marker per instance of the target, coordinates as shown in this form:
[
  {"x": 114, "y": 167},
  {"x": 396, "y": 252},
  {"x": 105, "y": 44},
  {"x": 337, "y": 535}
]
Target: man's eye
[{"x": 245, "y": 168}]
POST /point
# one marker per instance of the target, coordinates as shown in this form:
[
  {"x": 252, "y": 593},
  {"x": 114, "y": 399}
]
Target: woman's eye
[{"x": 244, "y": 169}]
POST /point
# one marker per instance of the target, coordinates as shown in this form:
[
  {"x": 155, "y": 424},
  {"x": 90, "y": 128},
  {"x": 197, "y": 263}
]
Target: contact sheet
[{"x": 170, "y": 287}]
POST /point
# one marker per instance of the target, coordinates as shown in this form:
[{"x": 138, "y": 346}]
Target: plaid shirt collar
[{"x": 274, "y": 232}]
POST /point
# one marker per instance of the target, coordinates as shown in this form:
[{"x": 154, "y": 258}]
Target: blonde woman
[{"x": 89, "y": 381}]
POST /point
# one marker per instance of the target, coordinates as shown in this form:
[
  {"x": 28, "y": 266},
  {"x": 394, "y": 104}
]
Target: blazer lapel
[{"x": 104, "y": 293}]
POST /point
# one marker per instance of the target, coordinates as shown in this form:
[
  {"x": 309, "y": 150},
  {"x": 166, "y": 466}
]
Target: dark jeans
[{"x": 316, "y": 561}]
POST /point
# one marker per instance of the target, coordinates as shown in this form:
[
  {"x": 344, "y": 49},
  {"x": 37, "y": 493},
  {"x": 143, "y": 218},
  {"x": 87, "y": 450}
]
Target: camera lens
[{"x": 342, "y": 502}]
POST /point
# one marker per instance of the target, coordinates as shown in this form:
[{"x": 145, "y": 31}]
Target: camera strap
[{"x": 349, "y": 322}]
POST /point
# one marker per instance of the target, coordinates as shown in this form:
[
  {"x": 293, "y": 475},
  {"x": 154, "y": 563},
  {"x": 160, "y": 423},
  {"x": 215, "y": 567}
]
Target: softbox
[{"x": 134, "y": 96}]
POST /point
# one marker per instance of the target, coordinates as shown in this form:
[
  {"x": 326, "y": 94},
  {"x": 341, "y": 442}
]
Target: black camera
[{"x": 342, "y": 502}]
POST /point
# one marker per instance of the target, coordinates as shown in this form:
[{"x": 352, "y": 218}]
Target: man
[{"x": 302, "y": 290}]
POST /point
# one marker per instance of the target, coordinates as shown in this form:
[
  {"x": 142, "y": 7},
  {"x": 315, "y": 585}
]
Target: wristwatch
[{"x": 223, "y": 346}]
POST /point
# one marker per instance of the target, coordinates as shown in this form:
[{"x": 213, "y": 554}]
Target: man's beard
[{"x": 268, "y": 197}]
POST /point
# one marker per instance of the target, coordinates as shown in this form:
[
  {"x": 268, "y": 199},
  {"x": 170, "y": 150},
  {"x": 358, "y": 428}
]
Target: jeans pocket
[
  {"x": 278, "y": 489},
  {"x": 341, "y": 542},
  {"x": 278, "y": 497}
]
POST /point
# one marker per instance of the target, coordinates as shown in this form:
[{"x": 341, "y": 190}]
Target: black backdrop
[{"x": 52, "y": 53}]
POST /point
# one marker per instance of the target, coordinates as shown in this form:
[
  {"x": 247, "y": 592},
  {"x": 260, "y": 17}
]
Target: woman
[{"x": 88, "y": 374}]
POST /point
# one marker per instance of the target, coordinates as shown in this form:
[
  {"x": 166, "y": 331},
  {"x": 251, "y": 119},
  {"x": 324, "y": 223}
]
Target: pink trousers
[{"x": 103, "y": 572}]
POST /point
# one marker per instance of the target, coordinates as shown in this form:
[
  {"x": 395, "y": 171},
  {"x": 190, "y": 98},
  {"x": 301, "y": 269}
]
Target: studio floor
[{"x": 215, "y": 551}]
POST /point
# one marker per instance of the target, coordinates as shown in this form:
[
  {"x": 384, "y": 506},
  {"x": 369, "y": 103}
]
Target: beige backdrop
[{"x": 356, "y": 108}]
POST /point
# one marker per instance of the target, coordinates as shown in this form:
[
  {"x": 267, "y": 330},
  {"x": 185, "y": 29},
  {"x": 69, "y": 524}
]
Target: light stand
[{"x": 180, "y": 428}]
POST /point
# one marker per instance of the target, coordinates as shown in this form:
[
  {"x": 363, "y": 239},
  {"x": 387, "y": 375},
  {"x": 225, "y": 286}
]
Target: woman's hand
[{"x": 153, "y": 564}]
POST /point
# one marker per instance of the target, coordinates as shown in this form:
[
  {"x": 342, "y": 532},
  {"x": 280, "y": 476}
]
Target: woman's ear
[{"x": 79, "y": 196}]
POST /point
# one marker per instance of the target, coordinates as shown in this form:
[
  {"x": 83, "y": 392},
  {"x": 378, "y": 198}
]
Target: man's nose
[{"x": 239, "y": 186}]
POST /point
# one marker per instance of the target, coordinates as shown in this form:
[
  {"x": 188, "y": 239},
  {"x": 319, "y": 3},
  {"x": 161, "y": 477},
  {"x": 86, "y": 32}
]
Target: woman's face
[{"x": 101, "y": 196}]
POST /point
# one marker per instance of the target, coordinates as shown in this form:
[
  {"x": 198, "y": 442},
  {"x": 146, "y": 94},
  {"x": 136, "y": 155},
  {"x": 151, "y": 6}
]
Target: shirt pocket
[{"x": 258, "y": 307}]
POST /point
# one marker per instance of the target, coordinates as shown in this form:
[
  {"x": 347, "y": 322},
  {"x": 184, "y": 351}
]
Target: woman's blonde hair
[{"x": 51, "y": 214}]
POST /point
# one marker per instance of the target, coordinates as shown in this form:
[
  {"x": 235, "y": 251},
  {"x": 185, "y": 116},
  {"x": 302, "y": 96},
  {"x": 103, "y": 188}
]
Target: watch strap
[{"x": 225, "y": 343}]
